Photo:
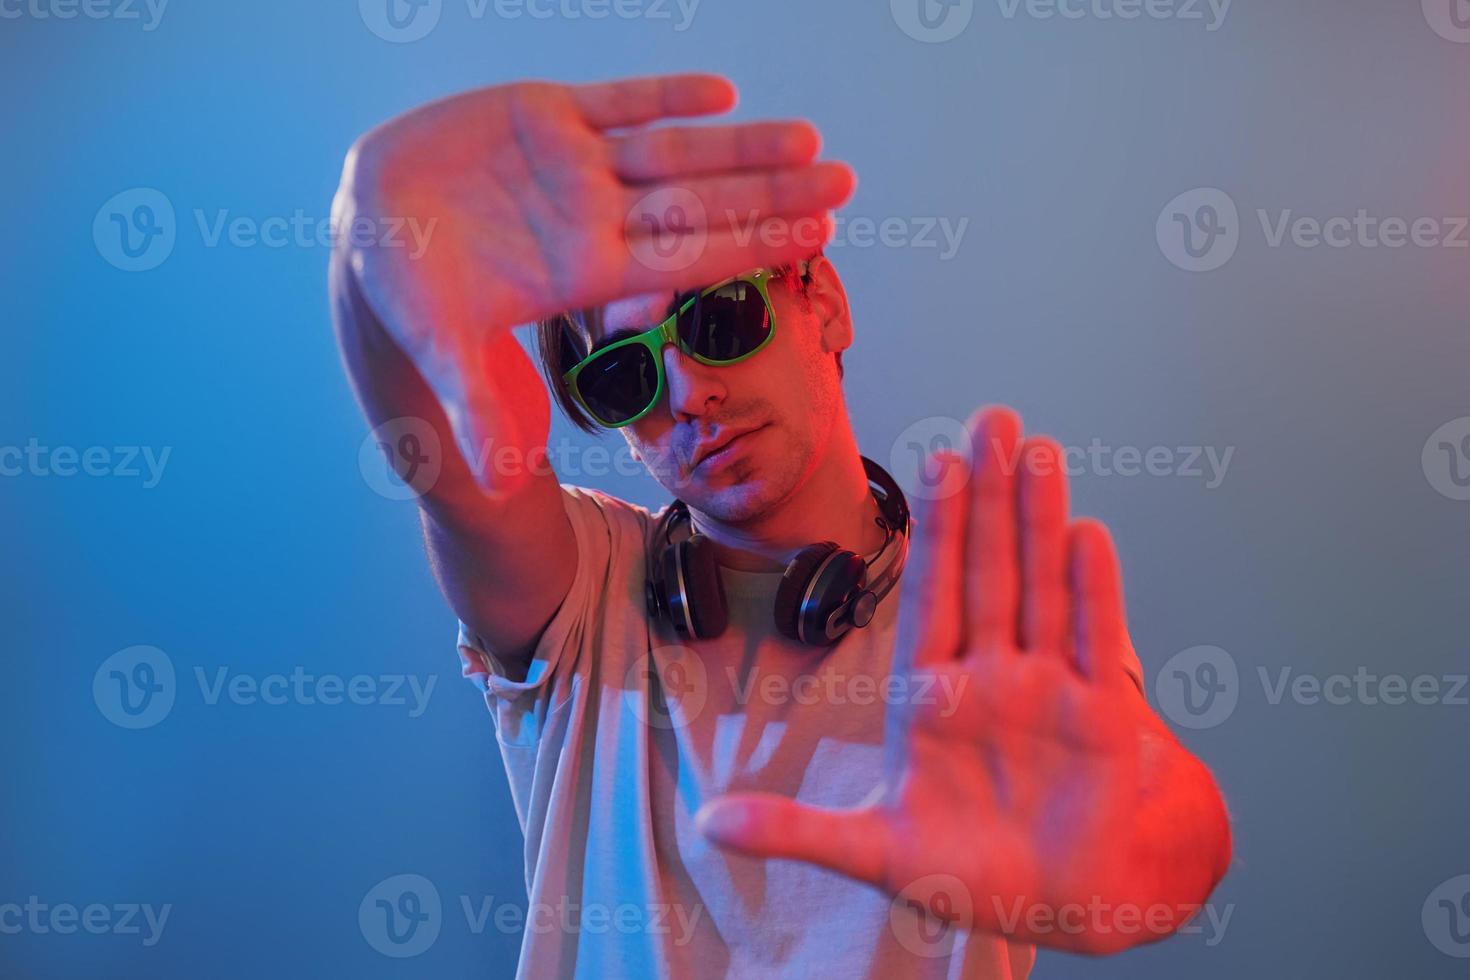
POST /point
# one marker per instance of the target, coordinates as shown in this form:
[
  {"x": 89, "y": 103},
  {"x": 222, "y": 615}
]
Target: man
[{"x": 972, "y": 773}]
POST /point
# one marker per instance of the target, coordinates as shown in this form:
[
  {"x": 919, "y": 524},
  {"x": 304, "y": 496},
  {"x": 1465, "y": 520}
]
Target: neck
[{"x": 833, "y": 504}]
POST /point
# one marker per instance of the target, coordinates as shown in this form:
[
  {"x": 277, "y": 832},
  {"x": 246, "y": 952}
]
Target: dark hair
[{"x": 562, "y": 341}]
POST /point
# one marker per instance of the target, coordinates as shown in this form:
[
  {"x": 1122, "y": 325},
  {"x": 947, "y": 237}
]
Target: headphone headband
[{"x": 891, "y": 500}]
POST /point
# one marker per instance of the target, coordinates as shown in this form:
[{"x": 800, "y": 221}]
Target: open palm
[{"x": 1016, "y": 794}]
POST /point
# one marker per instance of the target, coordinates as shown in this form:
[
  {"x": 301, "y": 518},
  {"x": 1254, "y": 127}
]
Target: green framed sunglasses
[{"x": 723, "y": 324}]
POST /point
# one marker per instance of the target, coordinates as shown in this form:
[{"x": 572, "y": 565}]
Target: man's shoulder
[
  {"x": 619, "y": 516},
  {"x": 591, "y": 496}
]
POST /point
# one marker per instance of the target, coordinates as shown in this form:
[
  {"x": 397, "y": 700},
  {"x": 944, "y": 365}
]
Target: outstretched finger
[
  {"x": 739, "y": 201},
  {"x": 851, "y": 842},
  {"x": 930, "y": 610},
  {"x": 673, "y": 259},
  {"x": 681, "y": 151},
  {"x": 992, "y": 580},
  {"x": 1043, "y": 512},
  {"x": 1101, "y": 628},
  {"x": 637, "y": 101}
]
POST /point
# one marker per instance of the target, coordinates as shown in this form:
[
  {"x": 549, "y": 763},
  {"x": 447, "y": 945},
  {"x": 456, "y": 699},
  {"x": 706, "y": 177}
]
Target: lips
[{"x": 707, "y": 449}]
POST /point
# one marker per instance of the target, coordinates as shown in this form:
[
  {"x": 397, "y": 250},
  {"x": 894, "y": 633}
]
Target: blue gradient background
[{"x": 263, "y": 547}]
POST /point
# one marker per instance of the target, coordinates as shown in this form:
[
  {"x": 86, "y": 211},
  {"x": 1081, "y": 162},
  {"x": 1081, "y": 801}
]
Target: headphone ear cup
[
  {"x": 703, "y": 594},
  {"x": 838, "y": 578},
  {"x": 794, "y": 580}
]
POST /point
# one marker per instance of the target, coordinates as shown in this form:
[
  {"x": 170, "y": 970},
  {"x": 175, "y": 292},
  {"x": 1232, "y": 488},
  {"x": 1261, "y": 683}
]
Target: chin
[
  {"x": 733, "y": 504},
  {"x": 741, "y": 495}
]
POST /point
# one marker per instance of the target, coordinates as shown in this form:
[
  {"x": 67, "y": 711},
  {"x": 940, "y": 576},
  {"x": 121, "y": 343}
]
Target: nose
[{"x": 694, "y": 388}]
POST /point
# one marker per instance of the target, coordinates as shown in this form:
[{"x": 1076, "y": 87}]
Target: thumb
[{"x": 850, "y": 842}]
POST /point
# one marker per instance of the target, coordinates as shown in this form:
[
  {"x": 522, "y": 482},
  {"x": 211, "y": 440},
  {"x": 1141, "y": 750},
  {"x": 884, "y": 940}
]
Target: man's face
[{"x": 778, "y": 406}]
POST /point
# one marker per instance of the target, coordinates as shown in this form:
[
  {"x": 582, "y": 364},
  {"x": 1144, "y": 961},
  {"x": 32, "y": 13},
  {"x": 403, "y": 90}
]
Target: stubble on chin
[
  {"x": 735, "y": 503},
  {"x": 759, "y": 485}
]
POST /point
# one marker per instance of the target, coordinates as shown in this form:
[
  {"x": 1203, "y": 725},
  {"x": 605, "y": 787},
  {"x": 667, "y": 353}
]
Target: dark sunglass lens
[
  {"x": 621, "y": 383},
  {"x": 727, "y": 324}
]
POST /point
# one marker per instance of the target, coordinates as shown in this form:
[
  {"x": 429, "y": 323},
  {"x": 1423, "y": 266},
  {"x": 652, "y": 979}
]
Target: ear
[{"x": 829, "y": 303}]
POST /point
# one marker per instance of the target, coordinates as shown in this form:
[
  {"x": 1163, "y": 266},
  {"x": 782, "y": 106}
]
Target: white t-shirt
[{"x": 616, "y": 733}]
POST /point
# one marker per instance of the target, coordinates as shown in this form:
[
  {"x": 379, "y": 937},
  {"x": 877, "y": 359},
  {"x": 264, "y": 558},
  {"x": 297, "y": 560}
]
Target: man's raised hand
[
  {"x": 539, "y": 197},
  {"x": 1016, "y": 787}
]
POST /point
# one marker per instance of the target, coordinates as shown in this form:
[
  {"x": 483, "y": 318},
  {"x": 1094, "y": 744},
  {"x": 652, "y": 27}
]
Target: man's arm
[
  {"x": 504, "y": 559},
  {"x": 528, "y": 196}
]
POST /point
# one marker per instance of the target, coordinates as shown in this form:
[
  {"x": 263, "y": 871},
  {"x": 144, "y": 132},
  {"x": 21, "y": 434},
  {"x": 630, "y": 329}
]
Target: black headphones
[{"x": 824, "y": 592}]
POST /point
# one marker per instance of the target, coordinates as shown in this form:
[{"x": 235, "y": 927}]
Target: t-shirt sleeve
[{"x": 610, "y": 536}]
